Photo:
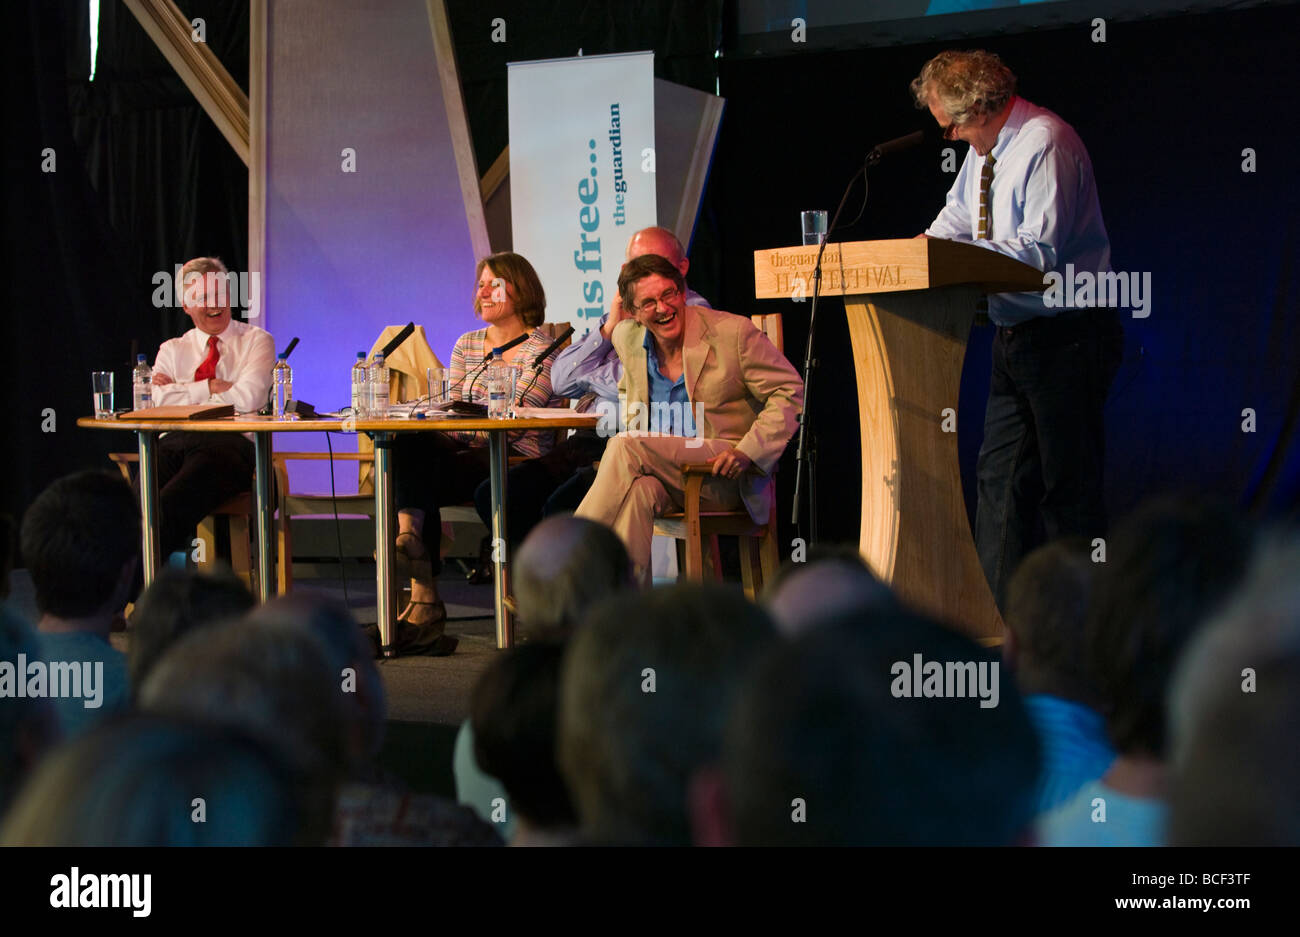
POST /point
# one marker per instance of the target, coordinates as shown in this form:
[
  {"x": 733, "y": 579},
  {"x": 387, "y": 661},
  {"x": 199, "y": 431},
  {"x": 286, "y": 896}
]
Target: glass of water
[
  {"x": 438, "y": 385},
  {"x": 101, "y": 384},
  {"x": 814, "y": 227}
]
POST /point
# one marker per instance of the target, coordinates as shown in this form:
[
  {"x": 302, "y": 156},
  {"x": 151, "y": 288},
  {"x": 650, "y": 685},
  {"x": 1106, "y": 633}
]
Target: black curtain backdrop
[
  {"x": 144, "y": 180},
  {"x": 1165, "y": 107}
]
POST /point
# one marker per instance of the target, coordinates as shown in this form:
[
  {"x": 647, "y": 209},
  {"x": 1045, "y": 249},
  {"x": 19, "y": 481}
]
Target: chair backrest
[
  {"x": 408, "y": 380},
  {"x": 409, "y": 363},
  {"x": 772, "y": 326}
]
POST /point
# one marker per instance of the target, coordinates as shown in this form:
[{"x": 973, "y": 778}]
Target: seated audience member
[
  {"x": 514, "y": 711},
  {"x": 176, "y": 603},
  {"x": 350, "y": 665},
  {"x": 828, "y": 743},
  {"x": 562, "y": 570},
  {"x": 644, "y": 691},
  {"x": 153, "y": 781},
  {"x": 81, "y": 542},
  {"x": 369, "y": 809},
  {"x": 833, "y": 581},
  {"x": 271, "y": 679},
  {"x": 1047, "y": 605},
  {"x": 29, "y": 725},
  {"x": 1168, "y": 567},
  {"x": 564, "y": 567},
  {"x": 220, "y": 361},
  {"x": 1234, "y": 709},
  {"x": 680, "y": 360}
]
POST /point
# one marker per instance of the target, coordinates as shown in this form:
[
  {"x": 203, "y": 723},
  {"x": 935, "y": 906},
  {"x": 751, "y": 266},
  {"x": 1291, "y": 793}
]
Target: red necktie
[{"x": 208, "y": 369}]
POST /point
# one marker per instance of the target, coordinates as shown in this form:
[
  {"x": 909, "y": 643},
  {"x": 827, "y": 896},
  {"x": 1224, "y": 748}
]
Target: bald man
[{"x": 559, "y": 480}]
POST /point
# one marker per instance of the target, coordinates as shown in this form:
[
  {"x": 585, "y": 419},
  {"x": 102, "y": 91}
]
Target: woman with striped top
[{"x": 431, "y": 470}]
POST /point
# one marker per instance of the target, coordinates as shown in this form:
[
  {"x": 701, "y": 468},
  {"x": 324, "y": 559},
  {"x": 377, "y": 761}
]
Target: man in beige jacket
[{"x": 698, "y": 385}]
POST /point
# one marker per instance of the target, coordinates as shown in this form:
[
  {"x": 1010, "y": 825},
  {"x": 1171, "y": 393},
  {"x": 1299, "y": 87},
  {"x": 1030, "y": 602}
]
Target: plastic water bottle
[
  {"x": 141, "y": 384},
  {"x": 498, "y": 405},
  {"x": 378, "y": 409},
  {"x": 282, "y": 378},
  {"x": 359, "y": 377}
]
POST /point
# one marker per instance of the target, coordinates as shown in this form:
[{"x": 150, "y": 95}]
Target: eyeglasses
[{"x": 667, "y": 297}]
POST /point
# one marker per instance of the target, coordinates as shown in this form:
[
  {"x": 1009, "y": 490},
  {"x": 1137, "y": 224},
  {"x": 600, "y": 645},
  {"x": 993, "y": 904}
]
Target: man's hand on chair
[{"x": 730, "y": 464}]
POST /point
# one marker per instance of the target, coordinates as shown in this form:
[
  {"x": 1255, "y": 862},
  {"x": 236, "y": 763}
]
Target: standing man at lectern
[{"x": 1026, "y": 189}]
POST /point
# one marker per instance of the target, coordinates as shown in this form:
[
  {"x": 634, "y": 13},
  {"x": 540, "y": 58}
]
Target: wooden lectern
[{"x": 910, "y": 305}]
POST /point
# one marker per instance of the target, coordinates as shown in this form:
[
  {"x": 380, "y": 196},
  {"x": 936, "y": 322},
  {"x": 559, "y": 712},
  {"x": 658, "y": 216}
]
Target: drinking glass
[
  {"x": 101, "y": 384},
  {"x": 814, "y": 227}
]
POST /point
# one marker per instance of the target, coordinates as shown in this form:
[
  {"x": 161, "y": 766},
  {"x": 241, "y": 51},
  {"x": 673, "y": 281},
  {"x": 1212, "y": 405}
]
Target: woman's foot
[
  {"x": 423, "y": 614},
  {"x": 411, "y": 557},
  {"x": 421, "y": 629}
]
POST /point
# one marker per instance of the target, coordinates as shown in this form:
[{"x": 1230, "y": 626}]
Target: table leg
[
  {"x": 264, "y": 508},
  {"x": 500, "y": 578},
  {"x": 385, "y": 534},
  {"x": 149, "y": 536}
]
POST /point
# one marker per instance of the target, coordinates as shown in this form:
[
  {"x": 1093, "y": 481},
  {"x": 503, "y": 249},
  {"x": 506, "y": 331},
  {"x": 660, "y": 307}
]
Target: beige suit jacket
[{"x": 752, "y": 395}]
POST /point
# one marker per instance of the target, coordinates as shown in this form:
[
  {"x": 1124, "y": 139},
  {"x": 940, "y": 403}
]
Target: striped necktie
[{"x": 986, "y": 180}]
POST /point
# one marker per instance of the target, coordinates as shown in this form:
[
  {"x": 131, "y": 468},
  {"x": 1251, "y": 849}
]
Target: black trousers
[
  {"x": 196, "y": 473},
  {"x": 432, "y": 470},
  {"x": 1042, "y": 459},
  {"x": 546, "y": 485}
]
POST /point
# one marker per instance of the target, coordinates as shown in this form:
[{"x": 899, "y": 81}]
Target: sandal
[
  {"x": 408, "y": 563},
  {"x": 425, "y": 637},
  {"x": 439, "y": 616}
]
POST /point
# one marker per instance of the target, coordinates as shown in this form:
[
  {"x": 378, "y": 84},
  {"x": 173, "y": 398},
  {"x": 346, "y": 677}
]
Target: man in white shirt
[
  {"x": 1026, "y": 190},
  {"x": 220, "y": 360}
]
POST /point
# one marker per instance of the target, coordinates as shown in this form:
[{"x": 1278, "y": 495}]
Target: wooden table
[{"x": 382, "y": 432}]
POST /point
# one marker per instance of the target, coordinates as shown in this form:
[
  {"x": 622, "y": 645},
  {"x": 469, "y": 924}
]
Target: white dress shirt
[
  {"x": 1043, "y": 207},
  {"x": 246, "y": 357}
]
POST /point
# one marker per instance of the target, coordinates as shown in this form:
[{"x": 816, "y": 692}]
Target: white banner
[{"x": 582, "y": 173}]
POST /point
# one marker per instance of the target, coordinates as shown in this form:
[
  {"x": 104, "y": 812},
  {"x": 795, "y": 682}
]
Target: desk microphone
[
  {"x": 300, "y": 407},
  {"x": 400, "y": 337},
  {"x": 492, "y": 355},
  {"x": 541, "y": 359},
  {"x": 897, "y": 145},
  {"x": 552, "y": 348}
]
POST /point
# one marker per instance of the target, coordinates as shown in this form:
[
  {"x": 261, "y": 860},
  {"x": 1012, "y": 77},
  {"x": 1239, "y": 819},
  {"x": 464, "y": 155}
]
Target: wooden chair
[
  {"x": 760, "y": 554},
  {"x": 238, "y": 512},
  {"x": 298, "y": 504}
]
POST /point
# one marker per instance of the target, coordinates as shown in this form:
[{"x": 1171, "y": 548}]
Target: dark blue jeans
[{"x": 1044, "y": 437}]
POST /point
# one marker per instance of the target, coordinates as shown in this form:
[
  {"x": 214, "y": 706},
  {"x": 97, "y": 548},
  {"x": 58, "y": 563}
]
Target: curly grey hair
[{"x": 965, "y": 84}]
